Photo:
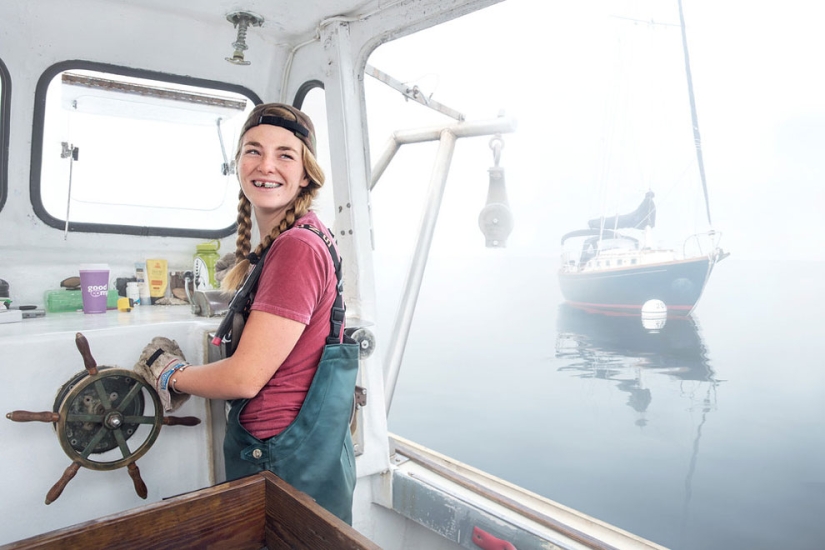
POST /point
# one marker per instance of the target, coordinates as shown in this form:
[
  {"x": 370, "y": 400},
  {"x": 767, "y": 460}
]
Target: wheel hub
[{"x": 113, "y": 420}]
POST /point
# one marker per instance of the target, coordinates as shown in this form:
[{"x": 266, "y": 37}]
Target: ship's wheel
[{"x": 101, "y": 420}]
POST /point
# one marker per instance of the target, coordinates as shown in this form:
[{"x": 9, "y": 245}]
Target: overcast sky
[{"x": 601, "y": 101}]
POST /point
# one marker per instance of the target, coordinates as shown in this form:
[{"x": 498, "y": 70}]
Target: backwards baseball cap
[{"x": 285, "y": 116}]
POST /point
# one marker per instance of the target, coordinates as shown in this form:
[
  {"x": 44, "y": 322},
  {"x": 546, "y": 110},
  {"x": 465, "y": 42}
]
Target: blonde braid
[
  {"x": 244, "y": 241},
  {"x": 298, "y": 209},
  {"x": 235, "y": 277}
]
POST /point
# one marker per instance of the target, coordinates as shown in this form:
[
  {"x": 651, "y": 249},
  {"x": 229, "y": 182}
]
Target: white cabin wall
[
  {"x": 31, "y": 455},
  {"x": 33, "y": 256}
]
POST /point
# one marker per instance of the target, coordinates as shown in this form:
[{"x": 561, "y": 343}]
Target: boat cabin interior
[{"x": 118, "y": 123}]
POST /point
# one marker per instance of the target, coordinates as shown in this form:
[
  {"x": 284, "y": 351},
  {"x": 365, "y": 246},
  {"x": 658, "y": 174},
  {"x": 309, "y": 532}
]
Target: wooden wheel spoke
[{"x": 83, "y": 347}]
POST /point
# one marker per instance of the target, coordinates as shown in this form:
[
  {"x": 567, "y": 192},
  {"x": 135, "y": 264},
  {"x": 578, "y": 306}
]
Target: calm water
[{"x": 707, "y": 435}]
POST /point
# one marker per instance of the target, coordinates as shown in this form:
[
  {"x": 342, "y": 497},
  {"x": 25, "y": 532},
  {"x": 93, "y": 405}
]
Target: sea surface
[{"x": 709, "y": 434}]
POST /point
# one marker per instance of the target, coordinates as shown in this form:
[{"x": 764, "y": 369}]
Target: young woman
[{"x": 290, "y": 380}]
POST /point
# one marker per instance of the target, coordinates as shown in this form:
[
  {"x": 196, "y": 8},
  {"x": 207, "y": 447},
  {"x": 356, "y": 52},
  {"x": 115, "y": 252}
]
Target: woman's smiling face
[{"x": 271, "y": 171}]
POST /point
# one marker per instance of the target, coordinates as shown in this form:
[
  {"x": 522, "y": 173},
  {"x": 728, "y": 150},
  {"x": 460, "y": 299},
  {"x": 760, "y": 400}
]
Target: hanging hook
[{"x": 496, "y": 144}]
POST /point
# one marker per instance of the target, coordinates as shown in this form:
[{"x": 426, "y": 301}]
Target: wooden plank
[
  {"x": 294, "y": 520},
  {"x": 231, "y": 516}
]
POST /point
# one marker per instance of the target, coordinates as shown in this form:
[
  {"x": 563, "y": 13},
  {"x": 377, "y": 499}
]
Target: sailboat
[{"x": 613, "y": 266}]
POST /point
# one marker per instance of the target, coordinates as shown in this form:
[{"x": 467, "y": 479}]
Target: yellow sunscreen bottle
[{"x": 157, "y": 275}]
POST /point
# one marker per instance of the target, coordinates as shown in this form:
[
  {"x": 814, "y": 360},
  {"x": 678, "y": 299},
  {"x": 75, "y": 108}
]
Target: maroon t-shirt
[{"x": 297, "y": 282}]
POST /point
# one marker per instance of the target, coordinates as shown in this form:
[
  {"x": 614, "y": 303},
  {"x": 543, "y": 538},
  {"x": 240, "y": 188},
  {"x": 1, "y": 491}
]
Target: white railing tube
[
  {"x": 406, "y": 308},
  {"x": 500, "y": 125}
]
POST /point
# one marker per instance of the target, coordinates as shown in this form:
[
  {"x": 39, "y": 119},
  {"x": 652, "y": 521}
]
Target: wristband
[{"x": 163, "y": 379}]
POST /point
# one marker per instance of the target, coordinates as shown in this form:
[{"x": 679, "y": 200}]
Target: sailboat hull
[{"x": 624, "y": 290}]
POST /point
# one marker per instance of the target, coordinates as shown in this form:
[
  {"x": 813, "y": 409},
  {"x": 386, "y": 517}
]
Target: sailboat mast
[{"x": 696, "y": 137}]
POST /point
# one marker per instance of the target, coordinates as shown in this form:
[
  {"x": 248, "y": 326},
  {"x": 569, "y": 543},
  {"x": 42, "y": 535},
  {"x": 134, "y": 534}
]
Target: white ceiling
[{"x": 283, "y": 19}]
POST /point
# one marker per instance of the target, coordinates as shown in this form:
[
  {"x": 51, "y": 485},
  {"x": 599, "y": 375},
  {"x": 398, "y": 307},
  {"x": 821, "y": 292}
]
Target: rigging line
[
  {"x": 696, "y": 137},
  {"x": 609, "y": 124},
  {"x": 649, "y": 22}
]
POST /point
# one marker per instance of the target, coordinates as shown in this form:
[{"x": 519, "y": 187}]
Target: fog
[{"x": 600, "y": 95}]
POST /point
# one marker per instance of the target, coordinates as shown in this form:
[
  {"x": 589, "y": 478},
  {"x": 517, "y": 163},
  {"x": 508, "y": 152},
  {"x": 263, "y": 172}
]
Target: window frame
[
  {"x": 304, "y": 89},
  {"x": 38, "y": 127},
  {"x": 5, "y": 126}
]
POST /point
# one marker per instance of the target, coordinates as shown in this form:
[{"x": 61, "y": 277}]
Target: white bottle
[
  {"x": 133, "y": 293},
  {"x": 145, "y": 297}
]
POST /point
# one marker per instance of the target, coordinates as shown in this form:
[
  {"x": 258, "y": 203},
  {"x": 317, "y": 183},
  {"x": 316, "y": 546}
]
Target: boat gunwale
[{"x": 590, "y": 532}]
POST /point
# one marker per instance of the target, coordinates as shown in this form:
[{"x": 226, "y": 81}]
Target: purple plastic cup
[{"x": 94, "y": 287}]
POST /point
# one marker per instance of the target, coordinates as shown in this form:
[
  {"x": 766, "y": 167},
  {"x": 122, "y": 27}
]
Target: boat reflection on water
[
  {"x": 630, "y": 351},
  {"x": 621, "y": 348}
]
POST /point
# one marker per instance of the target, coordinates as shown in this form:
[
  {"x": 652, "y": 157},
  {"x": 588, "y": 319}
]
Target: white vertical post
[{"x": 353, "y": 224}]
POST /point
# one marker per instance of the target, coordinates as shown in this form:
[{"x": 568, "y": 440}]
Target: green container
[
  {"x": 204, "y": 268},
  {"x": 72, "y": 300}
]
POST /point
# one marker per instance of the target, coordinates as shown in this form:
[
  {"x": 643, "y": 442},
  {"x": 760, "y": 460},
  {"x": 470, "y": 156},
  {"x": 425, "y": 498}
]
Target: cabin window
[
  {"x": 136, "y": 153},
  {"x": 5, "y": 88}
]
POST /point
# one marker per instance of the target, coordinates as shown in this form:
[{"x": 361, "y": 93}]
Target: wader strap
[
  {"x": 336, "y": 318},
  {"x": 240, "y": 301}
]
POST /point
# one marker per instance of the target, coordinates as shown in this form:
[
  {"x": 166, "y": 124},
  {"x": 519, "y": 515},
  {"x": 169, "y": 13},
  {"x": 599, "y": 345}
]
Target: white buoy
[{"x": 654, "y": 315}]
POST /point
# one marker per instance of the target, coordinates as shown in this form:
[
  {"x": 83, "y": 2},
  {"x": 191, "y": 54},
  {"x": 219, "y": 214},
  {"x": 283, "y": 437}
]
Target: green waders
[{"x": 314, "y": 453}]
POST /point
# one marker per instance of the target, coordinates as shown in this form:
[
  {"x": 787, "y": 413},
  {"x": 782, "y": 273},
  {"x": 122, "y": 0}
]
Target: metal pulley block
[
  {"x": 496, "y": 223},
  {"x": 496, "y": 219},
  {"x": 101, "y": 420}
]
